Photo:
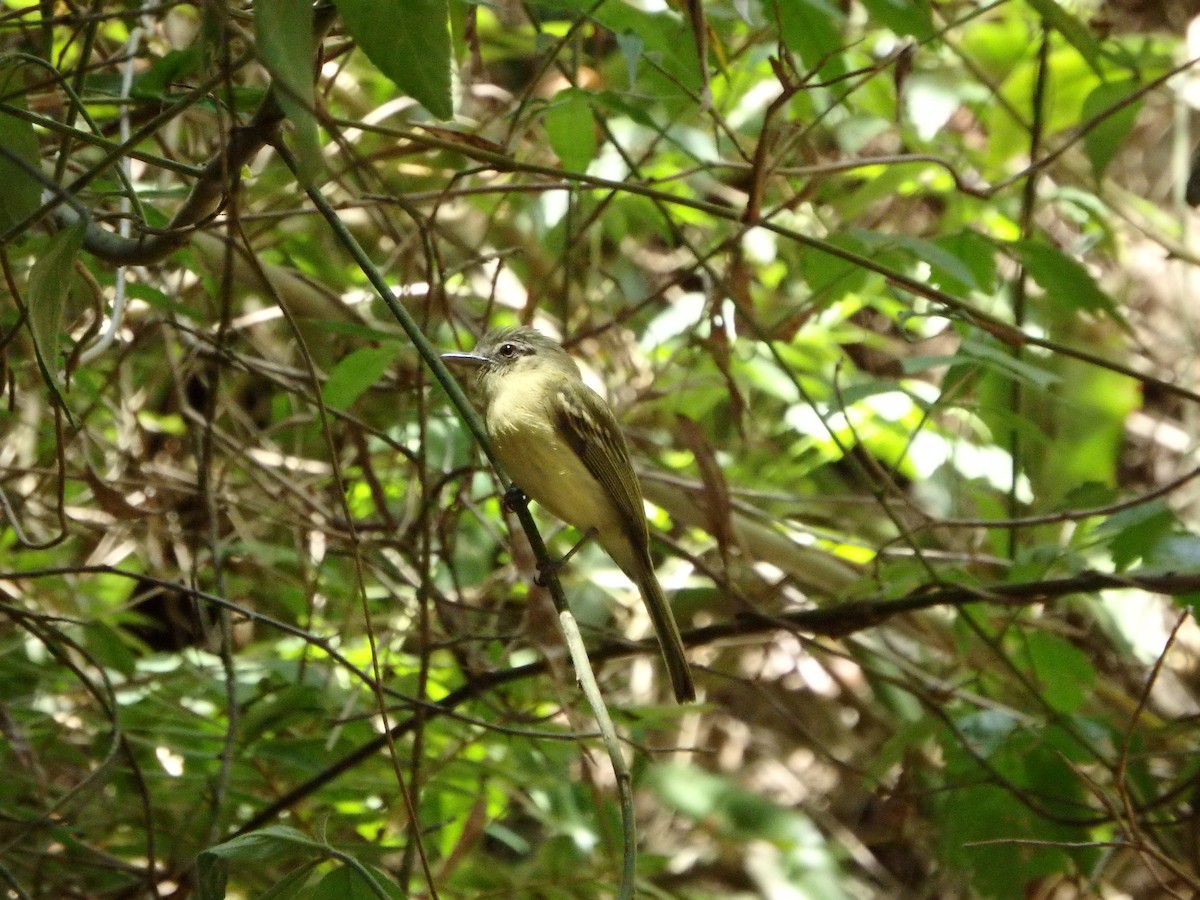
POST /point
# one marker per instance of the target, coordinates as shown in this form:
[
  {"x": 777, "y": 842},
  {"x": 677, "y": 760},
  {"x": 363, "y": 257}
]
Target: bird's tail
[{"x": 667, "y": 632}]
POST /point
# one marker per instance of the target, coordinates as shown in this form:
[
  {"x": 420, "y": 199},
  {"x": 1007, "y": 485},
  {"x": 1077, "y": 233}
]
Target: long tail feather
[{"x": 668, "y": 636}]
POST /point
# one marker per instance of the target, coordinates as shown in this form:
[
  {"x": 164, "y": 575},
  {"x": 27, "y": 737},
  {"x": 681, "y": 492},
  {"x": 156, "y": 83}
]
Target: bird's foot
[
  {"x": 513, "y": 499},
  {"x": 551, "y": 567}
]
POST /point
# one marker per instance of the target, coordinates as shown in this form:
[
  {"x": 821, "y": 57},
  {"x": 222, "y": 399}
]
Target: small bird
[{"x": 562, "y": 446}]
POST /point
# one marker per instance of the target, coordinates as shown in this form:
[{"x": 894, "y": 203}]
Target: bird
[{"x": 562, "y": 446}]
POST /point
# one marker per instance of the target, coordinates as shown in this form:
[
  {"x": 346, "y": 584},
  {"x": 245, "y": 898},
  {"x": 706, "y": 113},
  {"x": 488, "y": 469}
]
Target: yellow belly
[
  {"x": 549, "y": 472},
  {"x": 541, "y": 464}
]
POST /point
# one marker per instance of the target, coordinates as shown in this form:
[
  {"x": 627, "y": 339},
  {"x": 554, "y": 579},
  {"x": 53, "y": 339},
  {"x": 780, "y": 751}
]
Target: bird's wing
[{"x": 591, "y": 430}]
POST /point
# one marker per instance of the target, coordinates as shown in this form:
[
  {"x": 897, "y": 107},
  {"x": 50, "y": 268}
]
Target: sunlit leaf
[
  {"x": 571, "y": 129},
  {"x": 355, "y": 373},
  {"x": 1075, "y": 31},
  {"x": 830, "y": 276}
]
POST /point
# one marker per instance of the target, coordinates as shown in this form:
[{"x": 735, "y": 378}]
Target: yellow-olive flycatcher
[{"x": 561, "y": 444}]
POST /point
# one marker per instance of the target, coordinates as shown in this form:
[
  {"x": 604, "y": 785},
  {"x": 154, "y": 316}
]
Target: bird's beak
[{"x": 474, "y": 360}]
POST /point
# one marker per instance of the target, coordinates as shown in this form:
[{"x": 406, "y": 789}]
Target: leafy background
[{"x": 893, "y": 299}]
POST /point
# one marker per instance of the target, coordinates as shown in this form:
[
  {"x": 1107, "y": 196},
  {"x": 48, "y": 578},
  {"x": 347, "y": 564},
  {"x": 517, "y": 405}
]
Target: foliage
[{"x": 891, "y": 298}]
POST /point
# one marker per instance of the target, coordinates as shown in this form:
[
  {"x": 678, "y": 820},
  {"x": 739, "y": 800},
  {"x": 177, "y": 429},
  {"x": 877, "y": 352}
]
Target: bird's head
[{"x": 513, "y": 351}]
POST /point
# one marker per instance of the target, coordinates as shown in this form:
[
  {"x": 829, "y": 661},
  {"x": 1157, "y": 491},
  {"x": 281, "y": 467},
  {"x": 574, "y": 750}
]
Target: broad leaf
[
  {"x": 1104, "y": 141},
  {"x": 1177, "y": 553},
  {"x": 284, "y": 32},
  {"x": 291, "y": 885},
  {"x": 571, "y": 129},
  {"x": 809, "y": 28},
  {"x": 46, "y": 295},
  {"x": 1076, "y": 33},
  {"x": 1133, "y": 533},
  {"x": 348, "y": 883},
  {"x": 276, "y": 842},
  {"x": 1068, "y": 285},
  {"x": 272, "y": 842},
  {"x": 1061, "y": 670},
  {"x": 829, "y": 276},
  {"x": 975, "y": 252},
  {"x": 22, "y": 192},
  {"x": 910, "y": 17},
  {"x": 355, "y": 373},
  {"x": 409, "y": 42}
]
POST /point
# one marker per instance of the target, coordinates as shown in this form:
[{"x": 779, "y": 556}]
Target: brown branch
[
  {"x": 217, "y": 179},
  {"x": 857, "y": 615},
  {"x": 835, "y": 621}
]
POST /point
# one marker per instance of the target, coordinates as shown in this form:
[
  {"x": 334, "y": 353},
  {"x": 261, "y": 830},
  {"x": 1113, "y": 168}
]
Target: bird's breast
[{"x": 522, "y": 429}]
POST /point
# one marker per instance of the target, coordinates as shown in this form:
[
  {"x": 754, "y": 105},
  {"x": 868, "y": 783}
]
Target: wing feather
[{"x": 592, "y": 432}]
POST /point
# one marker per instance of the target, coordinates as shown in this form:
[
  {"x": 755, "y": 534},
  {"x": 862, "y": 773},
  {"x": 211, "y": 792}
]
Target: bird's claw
[
  {"x": 513, "y": 499},
  {"x": 547, "y": 569}
]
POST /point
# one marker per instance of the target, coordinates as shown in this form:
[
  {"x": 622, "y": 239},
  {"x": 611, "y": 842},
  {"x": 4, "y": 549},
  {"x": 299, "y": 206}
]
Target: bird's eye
[{"x": 508, "y": 351}]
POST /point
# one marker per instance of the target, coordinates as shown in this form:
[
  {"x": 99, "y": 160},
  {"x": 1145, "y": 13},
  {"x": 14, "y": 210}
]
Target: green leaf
[
  {"x": 636, "y": 113},
  {"x": 355, "y": 373},
  {"x": 174, "y": 66},
  {"x": 1061, "y": 669},
  {"x": 829, "y": 276},
  {"x": 276, "y": 842},
  {"x": 1066, "y": 282},
  {"x": 1103, "y": 141},
  {"x": 975, "y": 252},
  {"x": 661, "y": 38},
  {"x": 18, "y": 144},
  {"x": 903, "y": 16},
  {"x": 944, "y": 266},
  {"x": 809, "y": 28},
  {"x": 1076, "y": 33},
  {"x": 109, "y": 648},
  {"x": 272, "y": 842},
  {"x": 290, "y": 885},
  {"x": 49, "y": 285},
  {"x": 979, "y": 823},
  {"x": 999, "y": 359},
  {"x": 347, "y": 883},
  {"x": 1190, "y": 601},
  {"x": 1133, "y": 533},
  {"x": 409, "y": 42},
  {"x": 283, "y": 30},
  {"x": 1090, "y": 494},
  {"x": 571, "y": 129},
  {"x": 212, "y": 876},
  {"x": 1177, "y": 553}
]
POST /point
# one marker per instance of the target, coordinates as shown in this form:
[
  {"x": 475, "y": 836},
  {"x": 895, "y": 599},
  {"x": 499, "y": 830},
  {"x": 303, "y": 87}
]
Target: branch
[
  {"x": 836, "y": 621},
  {"x": 214, "y": 184}
]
